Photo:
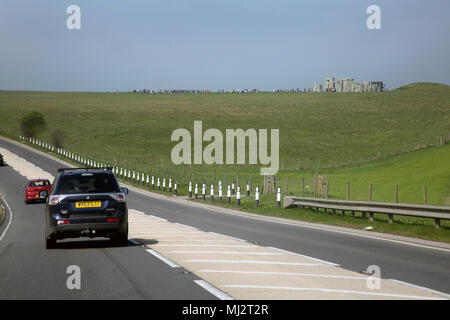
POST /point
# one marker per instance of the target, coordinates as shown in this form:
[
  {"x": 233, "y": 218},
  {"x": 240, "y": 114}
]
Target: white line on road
[
  {"x": 162, "y": 258},
  {"x": 308, "y": 257},
  {"x": 330, "y": 290},
  {"x": 186, "y": 226},
  {"x": 296, "y": 274},
  {"x": 253, "y": 262},
  {"x": 213, "y": 290},
  {"x": 204, "y": 245},
  {"x": 224, "y": 235},
  {"x": 10, "y": 220},
  {"x": 228, "y": 252},
  {"x": 420, "y": 287},
  {"x": 158, "y": 218}
]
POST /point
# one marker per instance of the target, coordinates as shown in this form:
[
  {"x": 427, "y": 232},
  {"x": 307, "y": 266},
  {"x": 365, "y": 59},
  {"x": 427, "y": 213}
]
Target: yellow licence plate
[{"x": 88, "y": 204}]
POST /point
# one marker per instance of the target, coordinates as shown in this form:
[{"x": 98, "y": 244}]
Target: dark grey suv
[{"x": 86, "y": 202}]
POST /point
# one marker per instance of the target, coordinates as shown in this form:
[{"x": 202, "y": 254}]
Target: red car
[{"x": 37, "y": 189}]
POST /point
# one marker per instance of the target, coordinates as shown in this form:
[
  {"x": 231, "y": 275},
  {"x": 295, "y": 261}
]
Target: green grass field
[{"x": 383, "y": 139}]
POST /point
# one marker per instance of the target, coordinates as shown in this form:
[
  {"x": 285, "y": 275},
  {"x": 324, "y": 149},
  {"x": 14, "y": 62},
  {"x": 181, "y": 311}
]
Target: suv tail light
[
  {"x": 120, "y": 197},
  {"x": 54, "y": 200}
]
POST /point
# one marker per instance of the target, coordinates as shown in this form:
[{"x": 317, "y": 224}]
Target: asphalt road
[{"x": 30, "y": 271}]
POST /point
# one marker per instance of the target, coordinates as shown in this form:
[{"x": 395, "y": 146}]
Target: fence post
[
  {"x": 315, "y": 185},
  {"x": 348, "y": 190},
  {"x": 424, "y": 195},
  {"x": 287, "y": 185}
]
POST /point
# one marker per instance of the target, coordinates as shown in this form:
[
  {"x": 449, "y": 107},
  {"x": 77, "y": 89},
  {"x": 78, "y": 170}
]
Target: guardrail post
[
  {"x": 437, "y": 223},
  {"x": 390, "y": 218}
]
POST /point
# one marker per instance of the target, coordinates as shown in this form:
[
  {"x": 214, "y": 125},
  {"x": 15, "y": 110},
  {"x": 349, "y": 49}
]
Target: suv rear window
[{"x": 87, "y": 182}]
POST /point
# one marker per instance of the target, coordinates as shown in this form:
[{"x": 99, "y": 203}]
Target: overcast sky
[{"x": 220, "y": 44}]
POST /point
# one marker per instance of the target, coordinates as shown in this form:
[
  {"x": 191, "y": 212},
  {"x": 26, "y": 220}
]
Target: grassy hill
[{"x": 320, "y": 130}]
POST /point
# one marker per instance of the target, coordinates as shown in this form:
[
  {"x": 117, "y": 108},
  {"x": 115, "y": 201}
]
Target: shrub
[
  {"x": 32, "y": 123},
  {"x": 57, "y": 138}
]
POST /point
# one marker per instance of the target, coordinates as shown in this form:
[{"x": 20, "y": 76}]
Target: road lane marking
[
  {"x": 420, "y": 287},
  {"x": 296, "y": 274},
  {"x": 162, "y": 258},
  {"x": 252, "y": 262},
  {"x": 227, "y": 252},
  {"x": 204, "y": 245},
  {"x": 10, "y": 219},
  {"x": 304, "y": 256},
  {"x": 224, "y": 235},
  {"x": 157, "y": 218},
  {"x": 331, "y": 291},
  {"x": 186, "y": 226},
  {"x": 213, "y": 290}
]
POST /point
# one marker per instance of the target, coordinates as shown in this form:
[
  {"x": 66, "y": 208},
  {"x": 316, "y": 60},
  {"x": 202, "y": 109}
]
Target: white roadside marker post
[
  {"x": 279, "y": 197},
  {"x": 238, "y": 196},
  {"x": 256, "y": 196}
]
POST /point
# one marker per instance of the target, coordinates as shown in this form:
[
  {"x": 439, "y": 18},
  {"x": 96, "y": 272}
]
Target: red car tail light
[{"x": 112, "y": 220}]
